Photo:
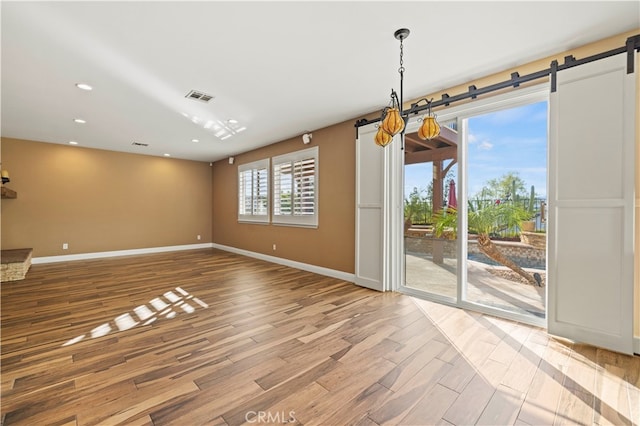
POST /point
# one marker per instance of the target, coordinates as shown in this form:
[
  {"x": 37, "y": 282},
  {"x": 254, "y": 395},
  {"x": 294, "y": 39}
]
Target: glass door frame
[{"x": 518, "y": 97}]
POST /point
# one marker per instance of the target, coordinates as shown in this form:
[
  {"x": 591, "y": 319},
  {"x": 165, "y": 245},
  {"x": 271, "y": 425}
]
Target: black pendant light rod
[
  {"x": 401, "y": 34},
  {"x": 632, "y": 44}
]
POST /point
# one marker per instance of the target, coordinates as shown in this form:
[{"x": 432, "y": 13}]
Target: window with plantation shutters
[
  {"x": 295, "y": 188},
  {"x": 253, "y": 192}
]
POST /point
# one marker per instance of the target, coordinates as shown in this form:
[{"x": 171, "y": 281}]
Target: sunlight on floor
[
  {"x": 147, "y": 315},
  {"x": 536, "y": 375}
]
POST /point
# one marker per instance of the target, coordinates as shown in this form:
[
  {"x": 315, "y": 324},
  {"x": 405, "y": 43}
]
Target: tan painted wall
[
  {"x": 97, "y": 200},
  {"x": 332, "y": 244}
]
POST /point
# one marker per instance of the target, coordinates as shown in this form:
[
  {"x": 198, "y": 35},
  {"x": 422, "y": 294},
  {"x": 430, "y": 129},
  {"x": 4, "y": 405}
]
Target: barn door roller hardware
[{"x": 631, "y": 46}]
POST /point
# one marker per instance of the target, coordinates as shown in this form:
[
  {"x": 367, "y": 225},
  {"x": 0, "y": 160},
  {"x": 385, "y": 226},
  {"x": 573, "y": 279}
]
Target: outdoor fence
[{"x": 538, "y": 210}]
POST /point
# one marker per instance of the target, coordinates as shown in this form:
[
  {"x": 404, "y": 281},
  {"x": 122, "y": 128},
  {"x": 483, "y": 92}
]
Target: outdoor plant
[
  {"x": 417, "y": 208},
  {"x": 529, "y": 225},
  {"x": 485, "y": 221}
]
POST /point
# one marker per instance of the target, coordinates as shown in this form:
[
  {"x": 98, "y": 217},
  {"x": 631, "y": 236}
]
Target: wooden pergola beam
[
  {"x": 413, "y": 138},
  {"x": 439, "y": 154}
]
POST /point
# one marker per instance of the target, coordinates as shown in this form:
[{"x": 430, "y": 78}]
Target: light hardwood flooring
[{"x": 209, "y": 337}]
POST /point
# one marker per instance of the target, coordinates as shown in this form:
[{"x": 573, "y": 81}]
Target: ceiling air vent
[
  {"x": 139, "y": 144},
  {"x": 199, "y": 96}
]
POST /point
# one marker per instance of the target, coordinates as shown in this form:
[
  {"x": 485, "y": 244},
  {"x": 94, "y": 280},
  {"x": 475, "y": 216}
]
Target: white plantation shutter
[
  {"x": 282, "y": 188},
  {"x": 295, "y": 191},
  {"x": 304, "y": 199},
  {"x": 261, "y": 191},
  {"x": 245, "y": 192},
  {"x": 253, "y": 191}
]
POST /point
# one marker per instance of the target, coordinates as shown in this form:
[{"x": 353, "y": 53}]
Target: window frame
[
  {"x": 254, "y": 217},
  {"x": 310, "y": 220}
]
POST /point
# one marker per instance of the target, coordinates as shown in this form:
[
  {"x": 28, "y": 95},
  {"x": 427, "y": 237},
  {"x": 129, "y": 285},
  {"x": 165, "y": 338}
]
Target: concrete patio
[{"x": 483, "y": 287}]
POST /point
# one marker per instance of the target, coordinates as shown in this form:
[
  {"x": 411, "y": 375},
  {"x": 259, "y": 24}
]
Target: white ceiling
[{"x": 279, "y": 68}]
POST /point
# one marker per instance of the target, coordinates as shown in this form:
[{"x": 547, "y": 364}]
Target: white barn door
[
  {"x": 591, "y": 205},
  {"x": 370, "y": 269}
]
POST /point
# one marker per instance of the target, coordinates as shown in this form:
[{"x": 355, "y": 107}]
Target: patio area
[{"x": 483, "y": 287}]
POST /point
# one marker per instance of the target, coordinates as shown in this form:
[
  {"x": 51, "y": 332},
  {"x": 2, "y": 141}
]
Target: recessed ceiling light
[
  {"x": 79, "y": 120},
  {"x": 195, "y": 140},
  {"x": 73, "y": 143},
  {"x": 167, "y": 155},
  {"x": 232, "y": 121},
  {"x": 84, "y": 86}
]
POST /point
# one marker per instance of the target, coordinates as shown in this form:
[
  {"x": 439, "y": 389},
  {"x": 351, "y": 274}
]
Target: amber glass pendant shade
[
  {"x": 429, "y": 129},
  {"x": 392, "y": 122},
  {"x": 382, "y": 138}
]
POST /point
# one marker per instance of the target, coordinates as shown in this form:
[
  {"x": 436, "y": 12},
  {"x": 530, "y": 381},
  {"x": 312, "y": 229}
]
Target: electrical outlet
[
  {"x": 65, "y": 246},
  {"x": 198, "y": 237},
  {"x": 274, "y": 247}
]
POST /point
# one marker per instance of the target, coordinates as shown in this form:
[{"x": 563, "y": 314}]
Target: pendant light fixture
[
  {"x": 430, "y": 127},
  {"x": 394, "y": 119},
  {"x": 382, "y": 138}
]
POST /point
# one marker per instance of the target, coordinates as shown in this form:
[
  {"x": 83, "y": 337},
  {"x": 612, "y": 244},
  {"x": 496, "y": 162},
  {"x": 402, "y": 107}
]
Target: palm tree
[{"x": 485, "y": 221}]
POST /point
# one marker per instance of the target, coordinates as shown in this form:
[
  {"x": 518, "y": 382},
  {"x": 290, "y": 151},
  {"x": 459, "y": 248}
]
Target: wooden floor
[{"x": 208, "y": 337}]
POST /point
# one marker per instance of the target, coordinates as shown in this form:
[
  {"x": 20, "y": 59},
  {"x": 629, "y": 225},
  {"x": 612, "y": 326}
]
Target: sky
[{"x": 510, "y": 140}]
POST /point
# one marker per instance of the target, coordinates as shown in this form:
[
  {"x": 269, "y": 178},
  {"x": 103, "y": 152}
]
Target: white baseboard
[
  {"x": 101, "y": 254},
  {"x": 286, "y": 262},
  {"x": 345, "y": 276}
]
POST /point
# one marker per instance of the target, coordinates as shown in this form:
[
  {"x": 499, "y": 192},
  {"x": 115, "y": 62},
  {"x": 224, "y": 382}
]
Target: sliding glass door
[
  {"x": 475, "y": 208},
  {"x": 431, "y": 170},
  {"x": 506, "y": 217}
]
